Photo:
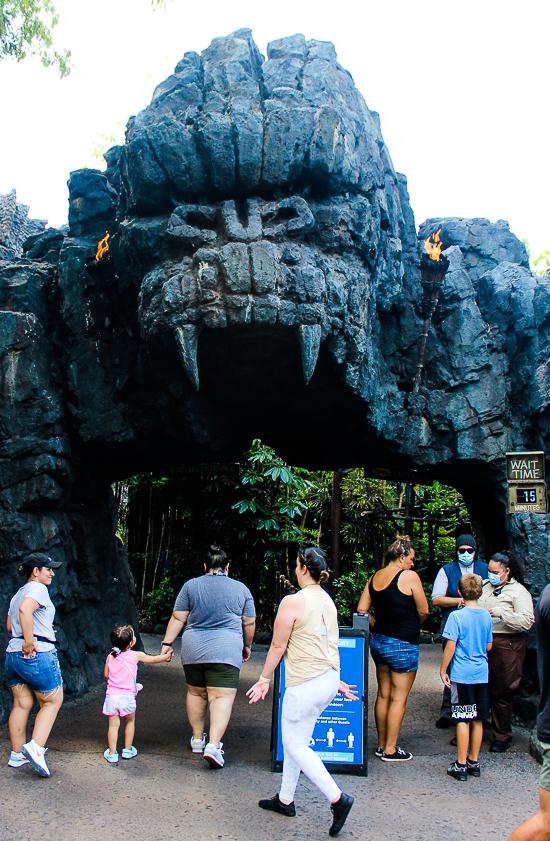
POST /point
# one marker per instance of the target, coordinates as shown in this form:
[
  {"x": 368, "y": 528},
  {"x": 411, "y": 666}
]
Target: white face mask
[{"x": 466, "y": 558}]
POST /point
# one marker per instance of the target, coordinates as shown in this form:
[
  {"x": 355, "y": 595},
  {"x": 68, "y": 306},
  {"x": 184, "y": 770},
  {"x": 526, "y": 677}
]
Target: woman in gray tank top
[{"x": 306, "y": 633}]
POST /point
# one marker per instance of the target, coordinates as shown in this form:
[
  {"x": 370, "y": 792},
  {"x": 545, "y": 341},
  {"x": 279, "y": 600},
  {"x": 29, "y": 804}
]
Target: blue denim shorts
[
  {"x": 399, "y": 655},
  {"x": 40, "y": 673}
]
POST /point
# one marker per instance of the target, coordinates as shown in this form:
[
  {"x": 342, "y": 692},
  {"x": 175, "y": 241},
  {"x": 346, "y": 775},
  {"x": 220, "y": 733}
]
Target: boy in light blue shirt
[{"x": 469, "y": 635}]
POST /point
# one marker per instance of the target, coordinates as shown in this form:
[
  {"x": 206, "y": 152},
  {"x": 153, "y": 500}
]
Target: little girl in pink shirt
[{"x": 120, "y": 700}]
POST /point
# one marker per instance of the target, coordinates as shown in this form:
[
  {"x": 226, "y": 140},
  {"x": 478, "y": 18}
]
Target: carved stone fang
[
  {"x": 187, "y": 338},
  {"x": 310, "y": 339}
]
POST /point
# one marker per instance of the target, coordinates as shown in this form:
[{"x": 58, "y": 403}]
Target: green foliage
[
  {"x": 264, "y": 512},
  {"x": 350, "y": 587},
  {"x": 272, "y": 496},
  {"x": 542, "y": 262},
  {"x": 106, "y": 141},
  {"x": 162, "y": 600},
  {"x": 26, "y": 29}
]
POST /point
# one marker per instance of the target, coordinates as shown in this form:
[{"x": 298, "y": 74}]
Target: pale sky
[{"x": 461, "y": 88}]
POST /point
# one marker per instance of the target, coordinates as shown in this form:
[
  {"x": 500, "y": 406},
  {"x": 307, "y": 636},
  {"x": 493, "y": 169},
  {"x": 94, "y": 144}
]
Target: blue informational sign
[{"x": 340, "y": 734}]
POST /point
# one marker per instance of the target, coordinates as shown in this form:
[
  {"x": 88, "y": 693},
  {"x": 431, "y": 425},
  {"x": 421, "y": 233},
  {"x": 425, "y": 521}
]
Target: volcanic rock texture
[{"x": 262, "y": 280}]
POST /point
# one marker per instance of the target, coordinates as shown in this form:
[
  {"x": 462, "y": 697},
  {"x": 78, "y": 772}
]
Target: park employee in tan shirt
[{"x": 511, "y": 607}]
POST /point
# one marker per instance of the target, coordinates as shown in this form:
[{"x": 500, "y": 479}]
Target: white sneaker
[
  {"x": 110, "y": 757},
  {"x": 129, "y": 753},
  {"x": 198, "y": 745},
  {"x": 36, "y": 756},
  {"x": 214, "y": 755},
  {"x": 16, "y": 760}
]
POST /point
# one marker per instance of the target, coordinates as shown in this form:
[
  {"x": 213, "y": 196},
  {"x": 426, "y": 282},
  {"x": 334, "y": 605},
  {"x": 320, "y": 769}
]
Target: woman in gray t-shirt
[
  {"x": 217, "y": 615},
  {"x": 32, "y": 667}
]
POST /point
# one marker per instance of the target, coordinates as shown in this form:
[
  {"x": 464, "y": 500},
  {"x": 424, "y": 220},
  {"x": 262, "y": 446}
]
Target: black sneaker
[
  {"x": 400, "y": 755},
  {"x": 340, "y": 810},
  {"x": 275, "y": 805},
  {"x": 378, "y": 752},
  {"x": 457, "y": 771},
  {"x": 473, "y": 768}
]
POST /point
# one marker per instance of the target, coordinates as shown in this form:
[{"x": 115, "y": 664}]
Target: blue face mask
[
  {"x": 466, "y": 558},
  {"x": 494, "y": 579}
]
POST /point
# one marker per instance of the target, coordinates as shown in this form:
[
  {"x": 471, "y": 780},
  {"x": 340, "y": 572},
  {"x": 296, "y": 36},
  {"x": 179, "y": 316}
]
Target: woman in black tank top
[{"x": 396, "y": 596}]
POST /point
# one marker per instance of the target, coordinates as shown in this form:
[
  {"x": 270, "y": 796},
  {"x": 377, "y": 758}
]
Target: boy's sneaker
[
  {"x": 16, "y": 760},
  {"x": 214, "y": 755},
  {"x": 458, "y": 771},
  {"x": 400, "y": 755},
  {"x": 275, "y": 805},
  {"x": 378, "y": 752},
  {"x": 129, "y": 753},
  {"x": 340, "y": 810},
  {"x": 198, "y": 745},
  {"x": 473, "y": 768},
  {"x": 36, "y": 756},
  {"x": 110, "y": 757}
]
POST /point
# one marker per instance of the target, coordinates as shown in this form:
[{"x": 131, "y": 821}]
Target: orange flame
[
  {"x": 434, "y": 250},
  {"x": 102, "y": 247}
]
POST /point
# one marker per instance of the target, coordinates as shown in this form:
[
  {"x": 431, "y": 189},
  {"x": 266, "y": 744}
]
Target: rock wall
[{"x": 262, "y": 280}]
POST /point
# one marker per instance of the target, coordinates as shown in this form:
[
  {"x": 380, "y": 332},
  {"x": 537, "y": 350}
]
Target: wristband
[
  {"x": 169, "y": 644},
  {"x": 264, "y": 679}
]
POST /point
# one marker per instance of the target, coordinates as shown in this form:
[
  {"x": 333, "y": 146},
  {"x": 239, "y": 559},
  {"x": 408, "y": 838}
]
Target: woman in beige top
[
  {"x": 306, "y": 633},
  {"x": 511, "y": 606}
]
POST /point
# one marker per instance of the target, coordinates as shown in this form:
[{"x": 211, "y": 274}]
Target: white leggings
[{"x": 302, "y": 706}]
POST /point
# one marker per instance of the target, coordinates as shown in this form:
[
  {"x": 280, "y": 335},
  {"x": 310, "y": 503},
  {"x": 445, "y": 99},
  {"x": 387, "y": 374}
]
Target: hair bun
[{"x": 20, "y": 570}]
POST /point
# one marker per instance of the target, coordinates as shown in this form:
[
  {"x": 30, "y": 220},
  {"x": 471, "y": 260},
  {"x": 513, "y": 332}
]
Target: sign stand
[{"x": 340, "y": 733}]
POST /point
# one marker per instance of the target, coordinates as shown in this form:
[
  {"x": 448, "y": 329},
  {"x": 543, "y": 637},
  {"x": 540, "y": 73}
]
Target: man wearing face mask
[{"x": 446, "y": 596}]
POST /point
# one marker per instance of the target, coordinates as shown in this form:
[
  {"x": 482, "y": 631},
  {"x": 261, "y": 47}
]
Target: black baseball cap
[{"x": 40, "y": 559}]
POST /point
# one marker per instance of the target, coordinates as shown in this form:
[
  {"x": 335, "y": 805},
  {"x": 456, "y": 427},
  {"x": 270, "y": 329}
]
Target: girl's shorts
[
  {"x": 40, "y": 673},
  {"x": 399, "y": 655},
  {"x": 121, "y": 705}
]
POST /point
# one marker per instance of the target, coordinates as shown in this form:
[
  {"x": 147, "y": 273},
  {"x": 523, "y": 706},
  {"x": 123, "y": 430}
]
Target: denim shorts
[
  {"x": 40, "y": 673},
  {"x": 399, "y": 655}
]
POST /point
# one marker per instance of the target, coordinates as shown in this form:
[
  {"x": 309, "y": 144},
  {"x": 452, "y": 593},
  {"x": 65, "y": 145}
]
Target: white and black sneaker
[
  {"x": 378, "y": 752},
  {"x": 400, "y": 755}
]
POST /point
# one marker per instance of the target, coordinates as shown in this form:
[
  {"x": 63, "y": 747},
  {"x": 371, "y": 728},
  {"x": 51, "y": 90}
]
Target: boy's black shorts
[{"x": 469, "y": 701}]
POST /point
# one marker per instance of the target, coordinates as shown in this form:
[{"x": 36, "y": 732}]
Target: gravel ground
[{"x": 166, "y": 792}]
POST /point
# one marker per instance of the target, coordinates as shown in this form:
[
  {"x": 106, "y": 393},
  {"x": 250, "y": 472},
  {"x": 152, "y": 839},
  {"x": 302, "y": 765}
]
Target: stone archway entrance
[{"x": 262, "y": 280}]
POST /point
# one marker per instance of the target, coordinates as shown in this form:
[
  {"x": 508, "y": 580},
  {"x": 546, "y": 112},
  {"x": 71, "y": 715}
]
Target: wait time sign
[{"x": 526, "y": 485}]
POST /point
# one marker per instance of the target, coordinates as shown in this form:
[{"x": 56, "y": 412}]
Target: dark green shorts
[{"x": 212, "y": 674}]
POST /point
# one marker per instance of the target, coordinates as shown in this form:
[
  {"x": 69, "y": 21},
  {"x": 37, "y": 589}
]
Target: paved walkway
[{"x": 168, "y": 793}]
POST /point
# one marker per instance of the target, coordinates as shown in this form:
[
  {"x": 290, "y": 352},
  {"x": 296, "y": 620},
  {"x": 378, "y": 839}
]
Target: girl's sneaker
[
  {"x": 473, "y": 768},
  {"x": 457, "y": 771},
  {"x": 111, "y": 757},
  {"x": 378, "y": 752},
  {"x": 16, "y": 760},
  {"x": 129, "y": 753},
  {"x": 36, "y": 755}
]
